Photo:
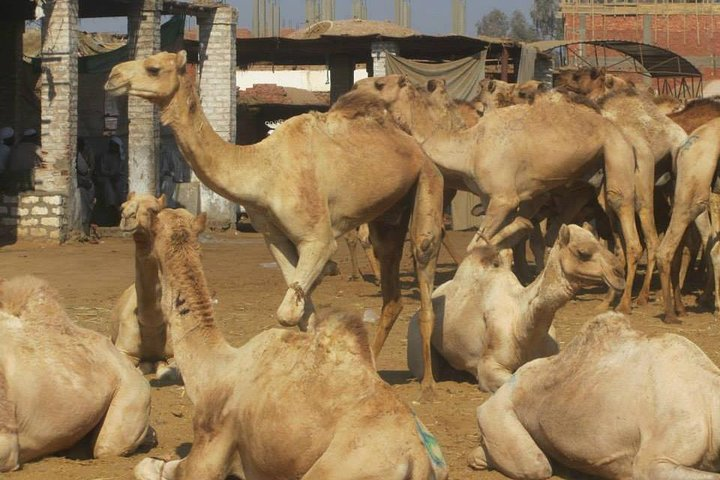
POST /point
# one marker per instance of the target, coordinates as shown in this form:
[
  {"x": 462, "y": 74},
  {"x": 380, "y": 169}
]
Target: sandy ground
[{"x": 249, "y": 287}]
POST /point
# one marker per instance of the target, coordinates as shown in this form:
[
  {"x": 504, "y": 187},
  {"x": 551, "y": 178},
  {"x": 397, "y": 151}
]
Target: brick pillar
[
  {"x": 217, "y": 95},
  {"x": 11, "y": 32},
  {"x": 379, "y": 50},
  {"x": 59, "y": 113},
  {"x": 144, "y": 127},
  {"x": 342, "y": 70}
]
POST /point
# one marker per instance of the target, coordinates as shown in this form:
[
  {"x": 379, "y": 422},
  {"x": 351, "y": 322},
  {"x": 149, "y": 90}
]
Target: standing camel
[
  {"x": 514, "y": 156},
  {"x": 287, "y": 404},
  {"x": 316, "y": 178}
]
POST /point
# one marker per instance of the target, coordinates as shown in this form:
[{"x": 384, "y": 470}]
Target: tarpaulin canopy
[
  {"x": 170, "y": 32},
  {"x": 461, "y": 76}
]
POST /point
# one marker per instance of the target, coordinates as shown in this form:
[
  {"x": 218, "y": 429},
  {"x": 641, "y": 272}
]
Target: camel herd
[{"x": 307, "y": 403}]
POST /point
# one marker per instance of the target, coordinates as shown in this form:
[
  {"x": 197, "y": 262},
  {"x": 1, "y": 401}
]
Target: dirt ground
[{"x": 249, "y": 288}]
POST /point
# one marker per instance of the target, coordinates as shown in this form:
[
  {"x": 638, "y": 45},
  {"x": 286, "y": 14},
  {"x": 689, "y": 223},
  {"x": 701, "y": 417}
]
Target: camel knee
[
  {"x": 425, "y": 247},
  {"x": 292, "y": 308},
  {"x": 9, "y": 452},
  {"x": 477, "y": 460}
]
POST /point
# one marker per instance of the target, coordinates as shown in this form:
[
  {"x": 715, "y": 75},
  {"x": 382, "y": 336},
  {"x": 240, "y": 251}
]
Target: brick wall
[
  {"x": 37, "y": 216},
  {"x": 217, "y": 32},
  {"x": 144, "y": 126},
  {"x": 695, "y": 37}
]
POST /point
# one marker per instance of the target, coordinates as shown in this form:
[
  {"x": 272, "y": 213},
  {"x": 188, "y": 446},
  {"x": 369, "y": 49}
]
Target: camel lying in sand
[
  {"x": 344, "y": 422},
  {"x": 489, "y": 325},
  {"x": 60, "y": 382},
  {"x": 139, "y": 329},
  {"x": 615, "y": 403}
]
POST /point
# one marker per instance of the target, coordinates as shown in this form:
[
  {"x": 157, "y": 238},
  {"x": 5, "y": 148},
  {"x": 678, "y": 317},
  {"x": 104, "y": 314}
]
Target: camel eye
[
  {"x": 154, "y": 71},
  {"x": 583, "y": 255}
]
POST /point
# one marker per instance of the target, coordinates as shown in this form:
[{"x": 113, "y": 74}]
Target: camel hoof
[
  {"x": 155, "y": 469},
  {"x": 603, "y": 307},
  {"x": 353, "y": 278},
  {"x": 166, "y": 373},
  {"x": 671, "y": 320},
  {"x": 622, "y": 308},
  {"x": 477, "y": 459},
  {"x": 146, "y": 367},
  {"x": 641, "y": 300}
]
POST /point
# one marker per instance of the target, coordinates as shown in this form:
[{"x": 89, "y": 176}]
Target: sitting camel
[
  {"x": 317, "y": 177},
  {"x": 287, "y": 404},
  {"x": 139, "y": 329},
  {"x": 514, "y": 156},
  {"x": 488, "y": 324},
  {"x": 60, "y": 383},
  {"x": 615, "y": 403}
]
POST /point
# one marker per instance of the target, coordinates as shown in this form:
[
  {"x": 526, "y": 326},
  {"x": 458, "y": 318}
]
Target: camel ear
[
  {"x": 380, "y": 84},
  {"x": 431, "y": 85},
  {"x": 162, "y": 201},
  {"x": 564, "y": 235},
  {"x": 594, "y": 73},
  {"x": 543, "y": 87},
  {"x": 181, "y": 59},
  {"x": 403, "y": 81},
  {"x": 609, "y": 81},
  {"x": 199, "y": 223},
  {"x": 491, "y": 86},
  {"x": 131, "y": 195}
]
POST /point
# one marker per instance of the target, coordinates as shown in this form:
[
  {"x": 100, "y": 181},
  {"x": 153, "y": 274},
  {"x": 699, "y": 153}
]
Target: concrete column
[
  {"x": 11, "y": 32},
  {"x": 379, "y": 51},
  {"x": 58, "y": 101},
  {"x": 144, "y": 127},
  {"x": 342, "y": 70},
  {"x": 217, "y": 95}
]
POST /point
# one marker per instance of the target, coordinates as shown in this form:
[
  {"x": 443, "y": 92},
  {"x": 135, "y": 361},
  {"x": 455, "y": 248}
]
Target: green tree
[
  {"x": 520, "y": 28},
  {"x": 494, "y": 24},
  {"x": 543, "y": 16}
]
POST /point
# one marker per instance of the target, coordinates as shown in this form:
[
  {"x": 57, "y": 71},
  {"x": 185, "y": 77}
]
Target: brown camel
[
  {"x": 316, "y": 178},
  {"x": 139, "y": 329},
  {"x": 60, "y": 382},
  {"x": 345, "y": 422},
  {"x": 514, "y": 156},
  {"x": 361, "y": 235}
]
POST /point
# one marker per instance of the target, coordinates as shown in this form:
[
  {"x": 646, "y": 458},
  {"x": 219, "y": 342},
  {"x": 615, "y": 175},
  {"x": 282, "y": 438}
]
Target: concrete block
[
  {"x": 50, "y": 221},
  {"x": 39, "y": 211}
]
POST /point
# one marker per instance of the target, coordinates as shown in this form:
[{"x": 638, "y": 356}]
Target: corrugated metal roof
[{"x": 657, "y": 61}]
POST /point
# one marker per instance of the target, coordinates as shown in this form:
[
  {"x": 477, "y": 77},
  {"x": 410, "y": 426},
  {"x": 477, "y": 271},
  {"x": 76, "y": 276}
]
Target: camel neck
[
  {"x": 233, "y": 171},
  {"x": 546, "y": 295},
  {"x": 147, "y": 284},
  {"x": 198, "y": 344}
]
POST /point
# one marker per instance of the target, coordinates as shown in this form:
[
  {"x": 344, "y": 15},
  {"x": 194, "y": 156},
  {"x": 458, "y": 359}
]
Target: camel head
[
  {"x": 155, "y": 78},
  {"x": 398, "y": 94},
  {"x": 175, "y": 232},
  {"x": 138, "y": 212},
  {"x": 584, "y": 261},
  {"x": 527, "y": 92},
  {"x": 495, "y": 93}
]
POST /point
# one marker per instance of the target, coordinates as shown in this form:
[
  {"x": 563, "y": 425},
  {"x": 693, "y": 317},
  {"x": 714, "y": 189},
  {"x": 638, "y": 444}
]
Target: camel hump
[
  {"x": 345, "y": 330},
  {"x": 17, "y": 293},
  {"x": 360, "y": 103},
  {"x": 603, "y": 331}
]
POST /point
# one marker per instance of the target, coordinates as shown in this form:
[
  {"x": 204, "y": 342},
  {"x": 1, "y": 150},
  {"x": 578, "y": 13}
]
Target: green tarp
[
  {"x": 170, "y": 32},
  {"x": 462, "y": 76}
]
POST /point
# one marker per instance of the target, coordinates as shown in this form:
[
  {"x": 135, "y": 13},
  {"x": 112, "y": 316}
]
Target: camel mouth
[
  {"x": 116, "y": 90},
  {"x": 614, "y": 282}
]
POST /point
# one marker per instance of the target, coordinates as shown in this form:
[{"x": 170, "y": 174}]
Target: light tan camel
[
  {"x": 695, "y": 178},
  {"x": 345, "y": 421},
  {"x": 514, "y": 156},
  {"x": 488, "y": 324},
  {"x": 615, "y": 403},
  {"x": 316, "y": 178},
  {"x": 139, "y": 329},
  {"x": 60, "y": 382}
]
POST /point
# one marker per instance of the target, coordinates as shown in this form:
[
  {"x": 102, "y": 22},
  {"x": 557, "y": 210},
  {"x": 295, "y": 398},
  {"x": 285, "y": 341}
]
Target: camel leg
[
  {"x": 364, "y": 237},
  {"x": 499, "y": 208},
  {"x": 647, "y": 223},
  {"x": 537, "y": 246},
  {"x": 351, "y": 238},
  {"x": 9, "y": 442},
  {"x": 313, "y": 253},
  {"x": 623, "y": 207},
  {"x": 505, "y": 444},
  {"x": 127, "y": 421},
  {"x": 674, "y": 279},
  {"x": 425, "y": 235},
  {"x": 709, "y": 242},
  {"x": 211, "y": 457},
  {"x": 691, "y": 246},
  {"x": 388, "y": 241}
]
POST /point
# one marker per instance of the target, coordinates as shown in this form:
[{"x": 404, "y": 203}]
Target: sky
[{"x": 430, "y": 17}]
